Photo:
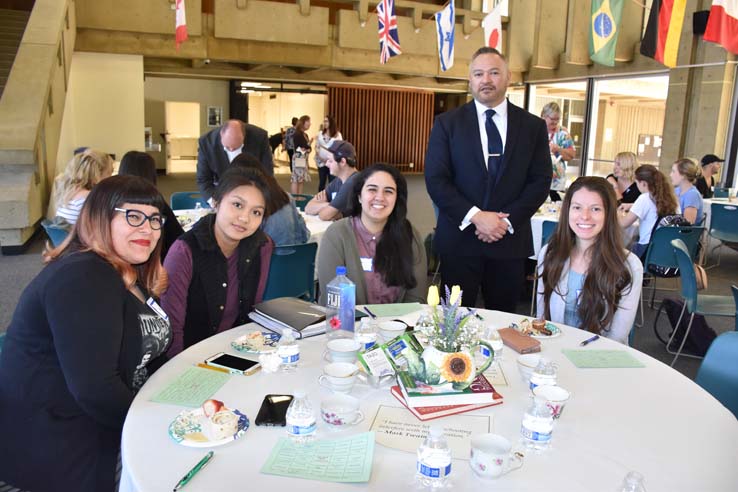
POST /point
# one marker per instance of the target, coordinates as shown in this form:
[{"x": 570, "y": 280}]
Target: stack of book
[
  {"x": 428, "y": 402},
  {"x": 304, "y": 318}
]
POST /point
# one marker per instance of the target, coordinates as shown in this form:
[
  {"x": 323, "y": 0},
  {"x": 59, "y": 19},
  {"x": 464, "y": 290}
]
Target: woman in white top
[
  {"x": 326, "y": 137},
  {"x": 587, "y": 279},
  {"x": 656, "y": 200},
  {"x": 84, "y": 171}
]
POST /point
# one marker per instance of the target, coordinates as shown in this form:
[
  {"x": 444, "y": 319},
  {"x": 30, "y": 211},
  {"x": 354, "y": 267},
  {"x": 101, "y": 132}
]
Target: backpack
[
  {"x": 671, "y": 220},
  {"x": 700, "y": 334}
]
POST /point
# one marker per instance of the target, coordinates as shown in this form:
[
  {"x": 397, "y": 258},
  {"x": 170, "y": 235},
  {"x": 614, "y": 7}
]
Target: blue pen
[{"x": 589, "y": 340}]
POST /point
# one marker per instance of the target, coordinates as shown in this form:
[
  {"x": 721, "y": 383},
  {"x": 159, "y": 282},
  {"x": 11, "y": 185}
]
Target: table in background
[{"x": 653, "y": 419}]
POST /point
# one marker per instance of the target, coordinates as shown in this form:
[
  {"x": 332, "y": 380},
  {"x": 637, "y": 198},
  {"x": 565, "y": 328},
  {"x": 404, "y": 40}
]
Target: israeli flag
[{"x": 445, "y": 24}]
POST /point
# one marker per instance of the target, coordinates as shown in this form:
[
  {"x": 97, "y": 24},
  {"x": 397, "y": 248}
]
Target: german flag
[{"x": 663, "y": 31}]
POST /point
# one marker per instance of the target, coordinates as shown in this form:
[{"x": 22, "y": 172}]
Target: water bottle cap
[
  {"x": 341, "y": 270},
  {"x": 287, "y": 332},
  {"x": 299, "y": 393},
  {"x": 436, "y": 431}
]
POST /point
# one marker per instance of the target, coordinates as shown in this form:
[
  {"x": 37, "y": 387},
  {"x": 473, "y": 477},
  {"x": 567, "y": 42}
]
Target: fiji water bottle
[
  {"x": 365, "y": 334},
  {"x": 300, "y": 419},
  {"x": 434, "y": 460},
  {"x": 543, "y": 375},
  {"x": 288, "y": 351},
  {"x": 537, "y": 425},
  {"x": 341, "y": 300}
]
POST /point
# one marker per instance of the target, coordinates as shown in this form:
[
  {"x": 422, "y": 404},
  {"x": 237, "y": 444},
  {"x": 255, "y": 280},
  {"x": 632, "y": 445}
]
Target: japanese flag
[
  {"x": 180, "y": 30},
  {"x": 493, "y": 29}
]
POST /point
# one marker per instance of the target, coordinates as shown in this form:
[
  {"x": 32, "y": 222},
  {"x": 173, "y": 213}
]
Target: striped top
[{"x": 70, "y": 210}]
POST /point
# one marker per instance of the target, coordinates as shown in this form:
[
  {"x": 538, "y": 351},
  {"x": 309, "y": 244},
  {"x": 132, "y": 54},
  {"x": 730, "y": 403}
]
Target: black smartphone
[
  {"x": 273, "y": 410},
  {"x": 236, "y": 365}
]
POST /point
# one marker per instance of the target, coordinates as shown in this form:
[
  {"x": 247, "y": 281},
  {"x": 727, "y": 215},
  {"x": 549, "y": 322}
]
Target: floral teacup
[
  {"x": 491, "y": 456},
  {"x": 341, "y": 410}
]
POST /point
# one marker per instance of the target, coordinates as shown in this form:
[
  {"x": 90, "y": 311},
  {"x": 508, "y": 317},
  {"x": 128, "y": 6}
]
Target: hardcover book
[
  {"x": 438, "y": 411},
  {"x": 418, "y": 394}
]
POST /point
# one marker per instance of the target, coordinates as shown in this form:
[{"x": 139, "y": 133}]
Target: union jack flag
[{"x": 389, "y": 40}]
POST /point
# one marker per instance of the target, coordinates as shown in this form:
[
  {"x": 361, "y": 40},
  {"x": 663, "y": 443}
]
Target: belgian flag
[{"x": 663, "y": 31}]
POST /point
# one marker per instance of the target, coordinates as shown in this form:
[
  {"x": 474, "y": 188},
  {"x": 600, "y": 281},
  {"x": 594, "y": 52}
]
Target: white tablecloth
[{"x": 652, "y": 419}]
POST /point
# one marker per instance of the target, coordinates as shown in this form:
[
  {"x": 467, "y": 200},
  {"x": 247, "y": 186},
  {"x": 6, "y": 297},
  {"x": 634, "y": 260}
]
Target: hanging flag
[
  {"x": 492, "y": 24},
  {"x": 389, "y": 39},
  {"x": 445, "y": 27},
  {"x": 603, "y": 33},
  {"x": 180, "y": 30},
  {"x": 663, "y": 31},
  {"x": 722, "y": 25}
]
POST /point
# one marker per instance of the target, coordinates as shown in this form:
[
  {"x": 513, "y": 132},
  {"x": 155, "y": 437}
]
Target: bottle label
[
  {"x": 301, "y": 430},
  {"x": 535, "y": 436},
  {"x": 429, "y": 471},
  {"x": 368, "y": 345},
  {"x": 333, "y": 299},
  {"x": 288, "y": 359},
  {"x": 485, "y": 351}
]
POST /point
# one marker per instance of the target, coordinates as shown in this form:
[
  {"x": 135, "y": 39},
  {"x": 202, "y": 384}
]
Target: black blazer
[
  {"x": 456, "y": 178},
  {"x": 212, "y": 160}
]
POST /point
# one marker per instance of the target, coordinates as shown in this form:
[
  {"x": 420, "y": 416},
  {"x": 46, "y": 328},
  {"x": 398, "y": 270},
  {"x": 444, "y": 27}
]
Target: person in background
[
  {"x": 326, "y": 137},
  {"x": 614, "y": 183},
  {"x": 684, "y": 173},
  {"x": 300, "y": 159},
  {"x": 82, "y": 173},
  {"x": 289, "y": 140},
  {"x": 710, "y": 167},
  {"x": 334, "y": 201},
  {"x": 656, "y": 200},
  {"x": 85, "y": 336},
  {"x": 285, "y": 225},
  {"x": 588, "y": 280},
  {"x": 218, "y": 269},
  {"x": 382, "y": 252},
  {"x": 623, "y": 170},
  {"x": 141, "y": 164},
  {"x": 561, "y": 146}
]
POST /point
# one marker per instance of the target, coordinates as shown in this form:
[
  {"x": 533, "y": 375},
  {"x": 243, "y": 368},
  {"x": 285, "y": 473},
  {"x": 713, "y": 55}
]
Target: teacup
[
  {"x": 341, "y": 410},
  {"x": 391, "y": 329},
  {"x": 492, "y": 456},
  {"x": 555, "y": 396},
  {"x": 341, "y": 350},
  {"x": 339, "y": 377},
  {"x": 223, "y": 424}
]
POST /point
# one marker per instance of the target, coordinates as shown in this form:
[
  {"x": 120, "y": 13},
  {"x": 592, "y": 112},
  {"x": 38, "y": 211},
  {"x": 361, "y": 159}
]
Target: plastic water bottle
[
  {"x": 633, "y": 482},
  {"x": 493, "y": 338},
  {"x": 288, "y": 350},
  {"x": 366, "y": 334},
  {"x": 300, "y": 419},
  {"x": 543, "y": 375},
  {"x": 341, "y": 301},
  {"x": 434, "y": 460},
  {"x": 537, "y": 425}
]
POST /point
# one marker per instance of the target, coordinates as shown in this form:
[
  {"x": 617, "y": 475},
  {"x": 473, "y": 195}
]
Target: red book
[{"x": 436, "y": 412}]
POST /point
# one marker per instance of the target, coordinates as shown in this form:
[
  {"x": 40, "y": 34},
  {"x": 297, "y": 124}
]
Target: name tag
[
  {"x": 156, "y": 308},
  {"x": 367, "y": 264},
  {"x": 333, "y": 195}
]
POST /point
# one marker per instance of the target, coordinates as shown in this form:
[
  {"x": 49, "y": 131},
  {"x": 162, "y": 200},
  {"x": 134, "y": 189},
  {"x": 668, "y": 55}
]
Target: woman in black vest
[{"x": 218, "y": 270}]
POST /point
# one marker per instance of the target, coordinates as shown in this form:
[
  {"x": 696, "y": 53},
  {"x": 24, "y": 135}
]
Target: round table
[{"x": 650, "y": 419}]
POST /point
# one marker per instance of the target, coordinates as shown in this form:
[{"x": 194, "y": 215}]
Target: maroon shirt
[{"x": 377, "y": 291}]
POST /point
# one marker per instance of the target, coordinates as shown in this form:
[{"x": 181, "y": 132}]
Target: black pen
[
  {"x": 589, "y": 340},
  {"x": 190, "y": 474},
  {"x": 374, "y": 316}
]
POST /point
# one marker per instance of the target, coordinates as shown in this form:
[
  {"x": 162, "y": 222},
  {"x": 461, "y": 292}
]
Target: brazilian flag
[{"x": 603, "y": 34}]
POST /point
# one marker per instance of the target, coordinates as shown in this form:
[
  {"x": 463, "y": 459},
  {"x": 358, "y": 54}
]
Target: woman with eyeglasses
[
  {"x": 218, "y": 269},
  {"x": 85, "y": 336}
]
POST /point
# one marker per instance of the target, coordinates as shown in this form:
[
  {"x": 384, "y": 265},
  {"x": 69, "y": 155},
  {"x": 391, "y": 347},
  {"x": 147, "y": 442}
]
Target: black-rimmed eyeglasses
[{"x": 136, "y": 218}]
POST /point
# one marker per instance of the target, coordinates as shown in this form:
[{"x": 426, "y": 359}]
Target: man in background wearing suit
[
  {"x": 217, "y": 149},
  {"x": 488, "y": 170}
]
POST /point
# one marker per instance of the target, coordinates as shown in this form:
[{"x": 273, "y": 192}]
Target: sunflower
[{"x": 456, "y": 368}]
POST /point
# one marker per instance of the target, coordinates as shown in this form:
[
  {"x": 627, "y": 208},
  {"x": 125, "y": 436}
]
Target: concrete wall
[{"x": 272, "y": 114}]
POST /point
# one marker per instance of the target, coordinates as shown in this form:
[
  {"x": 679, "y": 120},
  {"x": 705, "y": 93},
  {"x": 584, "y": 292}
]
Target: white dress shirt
[{"x": 232, "y": 154}]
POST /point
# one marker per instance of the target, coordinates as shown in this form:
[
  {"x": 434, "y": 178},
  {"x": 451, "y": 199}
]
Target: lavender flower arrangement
[{"x": 453, "y": 326}]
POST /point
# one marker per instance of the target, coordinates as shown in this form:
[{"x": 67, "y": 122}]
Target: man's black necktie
[{"x": 494, "y": 146}]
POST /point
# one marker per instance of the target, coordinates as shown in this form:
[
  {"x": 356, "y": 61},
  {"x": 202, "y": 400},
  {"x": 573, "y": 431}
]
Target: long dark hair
[
  {"x": 661, "y": 190},
  {"x": 141, "y": 164},
  {"x": 300, "y": 128},
  {"x": 608, "y": 275},
  {"x": 394, "y": 257},
  {"x": 331, "y": 129},
  {"x": 92, "y": 230},
  {"x": 236, "y": 176},
  {"x": 278, "y": 198}
]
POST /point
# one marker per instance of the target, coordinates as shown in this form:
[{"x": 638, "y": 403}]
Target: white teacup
[
  {"x": 341, "y": 350},
  {"x": 391, "y": 329},
  {"x": 223, "y": 424},
  {"x": 492, "y": 456},
  {"x": 341, "y": 410},
  {"x": 339, "y": 377},
  {"x": 555, "y": 396}
]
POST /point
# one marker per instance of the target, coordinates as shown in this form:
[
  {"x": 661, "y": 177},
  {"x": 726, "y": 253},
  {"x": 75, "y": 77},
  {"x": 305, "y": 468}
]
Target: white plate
[
  {"x": 247, "y": 345},
  {"x": 192, "y": 428},
  {"x": 555, "y": 332}
]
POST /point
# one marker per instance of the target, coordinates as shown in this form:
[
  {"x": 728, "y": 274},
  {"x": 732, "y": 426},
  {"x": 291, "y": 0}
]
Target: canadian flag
[
  {"x": 722, "y": 25},
  {"x": 180, "y": 30},
  {"x": 492, "y": 24}
]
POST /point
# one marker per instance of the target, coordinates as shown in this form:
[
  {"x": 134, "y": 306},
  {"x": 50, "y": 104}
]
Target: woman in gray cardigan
[{"x": 383, "y": 253}]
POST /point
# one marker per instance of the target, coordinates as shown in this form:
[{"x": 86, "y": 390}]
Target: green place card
[
  {"x": 601, "y": 359},
  {"x": 192, "y": 387},
  {"x": 390, "y": 310}
]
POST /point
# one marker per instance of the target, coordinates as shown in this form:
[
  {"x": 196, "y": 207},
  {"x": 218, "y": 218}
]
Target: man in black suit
[
  {"x": 488, "y": 172},
  {"x": 217, "y": 149}
]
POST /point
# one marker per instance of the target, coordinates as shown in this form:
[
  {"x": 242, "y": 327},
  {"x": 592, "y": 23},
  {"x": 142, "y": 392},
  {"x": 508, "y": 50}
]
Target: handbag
[
  {"x": 700, "y": 276},
  {"x": 299, "y": 160}
]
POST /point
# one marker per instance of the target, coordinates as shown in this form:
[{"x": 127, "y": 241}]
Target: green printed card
[
  {"x": 192, "y": 387},
  {"x": 390, "y": 310},
  {"x": 601, "y": 359}
]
